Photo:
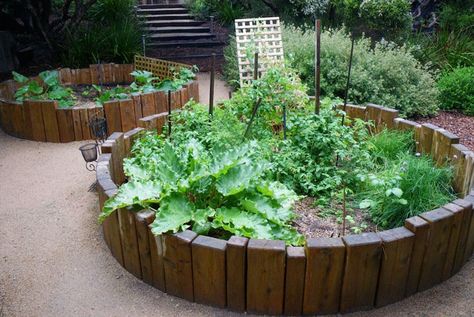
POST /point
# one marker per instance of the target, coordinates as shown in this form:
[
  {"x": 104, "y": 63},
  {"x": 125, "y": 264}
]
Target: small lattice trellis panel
[
  {"x": 262, "y": 35},
  {"x": 160, "y": 68}
]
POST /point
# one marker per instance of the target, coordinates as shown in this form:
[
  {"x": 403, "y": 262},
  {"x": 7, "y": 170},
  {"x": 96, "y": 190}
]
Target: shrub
[
  {"x": 386, "y": 74},
  {"x": 457, "y": 90},
  {"x": 113, "y": 34},
  {"x": 389, "y": 19}
]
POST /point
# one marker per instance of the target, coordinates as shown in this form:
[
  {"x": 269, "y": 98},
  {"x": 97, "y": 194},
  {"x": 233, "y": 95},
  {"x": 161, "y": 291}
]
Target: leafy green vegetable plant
[
  {"x": 211, "y": 191},
  {"x": 52, "y": 89}
]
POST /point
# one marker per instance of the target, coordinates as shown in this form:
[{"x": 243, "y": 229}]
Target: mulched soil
[
  {"x": 315, "y": 222},
  {"x": 457, "y": 123}
]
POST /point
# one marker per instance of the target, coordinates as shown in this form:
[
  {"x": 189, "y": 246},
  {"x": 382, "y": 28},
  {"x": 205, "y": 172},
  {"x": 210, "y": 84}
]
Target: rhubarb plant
[{"x": 211, "y": 191}]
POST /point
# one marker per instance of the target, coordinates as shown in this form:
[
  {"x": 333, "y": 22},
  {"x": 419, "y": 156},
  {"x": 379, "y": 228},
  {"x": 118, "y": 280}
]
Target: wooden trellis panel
[
  {"x": 262, "y": 35},
  {"x": 160, "y": 68}
]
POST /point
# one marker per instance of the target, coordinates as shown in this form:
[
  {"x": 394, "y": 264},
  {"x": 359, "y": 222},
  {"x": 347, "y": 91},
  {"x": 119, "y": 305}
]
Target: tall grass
[{"x": 402, "y": 184}]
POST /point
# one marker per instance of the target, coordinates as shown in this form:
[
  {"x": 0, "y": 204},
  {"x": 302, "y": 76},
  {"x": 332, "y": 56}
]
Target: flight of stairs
[{"x": 171, "y": 25}]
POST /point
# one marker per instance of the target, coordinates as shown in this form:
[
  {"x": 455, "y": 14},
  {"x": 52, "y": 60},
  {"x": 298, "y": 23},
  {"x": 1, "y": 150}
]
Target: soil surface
[
  {"x": 457, "y": 123},
  {"x": 54, "y": 261},
  {"x": 314, "y": 222}
]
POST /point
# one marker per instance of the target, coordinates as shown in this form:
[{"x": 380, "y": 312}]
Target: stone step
[
  {"x": 161, "y": 11},
  {"x": 171, "y": 23},
  {"x": 160, "y": 6},
  {"x": 156, "y": 17},
  {"x": 184, "y": 43},
  {"x": 178, "y": 29},
  {"x": 179, "y": 36}
]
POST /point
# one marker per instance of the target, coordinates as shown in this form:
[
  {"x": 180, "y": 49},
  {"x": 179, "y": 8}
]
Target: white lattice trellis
[{"x": 262, "y": 35}]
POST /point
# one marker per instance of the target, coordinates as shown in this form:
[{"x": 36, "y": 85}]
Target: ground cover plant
[
  {"x": 50, "y": 89},
  {"x": 218, "y": 177}
]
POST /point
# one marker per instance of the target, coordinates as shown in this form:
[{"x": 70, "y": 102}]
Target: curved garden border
[
  {"x": 328, "y": 275},
  {"x": 44, "y": 121}
]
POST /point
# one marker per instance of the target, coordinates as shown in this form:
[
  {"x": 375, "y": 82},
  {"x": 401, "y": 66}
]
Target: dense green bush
[
  {"x": 457, "y": 90},
  {"x": 112, "y": 34},
  {"x": 387, "y": 19},
  {"x": 386, "y": 74}
]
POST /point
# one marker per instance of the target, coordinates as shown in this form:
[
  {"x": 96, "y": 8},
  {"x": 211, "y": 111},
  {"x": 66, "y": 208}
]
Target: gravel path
[{"x": 54, "y": 262}]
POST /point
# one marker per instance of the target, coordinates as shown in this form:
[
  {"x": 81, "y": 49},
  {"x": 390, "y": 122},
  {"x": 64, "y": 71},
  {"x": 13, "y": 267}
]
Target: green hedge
[{"x": 457, "y": 90}]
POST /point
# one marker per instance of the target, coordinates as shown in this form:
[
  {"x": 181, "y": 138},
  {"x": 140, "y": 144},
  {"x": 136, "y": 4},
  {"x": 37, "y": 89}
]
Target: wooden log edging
[
  {"x": 42, "y": 120},
  {"x": 327, "y": 275}
]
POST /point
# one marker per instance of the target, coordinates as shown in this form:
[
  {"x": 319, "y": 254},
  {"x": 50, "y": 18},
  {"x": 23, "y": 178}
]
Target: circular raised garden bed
[
  {"x": 327, "y": 275},
  {"x": 42, "y": 120}
]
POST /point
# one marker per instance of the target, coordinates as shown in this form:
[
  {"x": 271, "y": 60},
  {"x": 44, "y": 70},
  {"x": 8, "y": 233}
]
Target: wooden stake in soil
[
  {"x": 169, "y": 113},
  {"x": 254, "y": 113},
  {"x": 318, "y": 67},
  {"x": 344, "y": 211},
  {"x": 284, "y": 122},
  {"x": 211, "y": 85},
  {"x": 255, "y": 66},
  {"x": 348, "y": 79}
]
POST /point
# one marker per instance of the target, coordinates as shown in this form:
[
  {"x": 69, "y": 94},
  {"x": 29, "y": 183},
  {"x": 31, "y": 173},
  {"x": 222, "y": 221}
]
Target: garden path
[{"x": 54, "y": 262}]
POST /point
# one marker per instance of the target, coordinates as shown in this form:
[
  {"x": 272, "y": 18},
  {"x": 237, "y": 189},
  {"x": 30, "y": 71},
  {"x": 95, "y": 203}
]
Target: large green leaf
[
  {"x": 50, "y": 77},
  {"x": 243, "y": 223},
  {"x": 174, "y": 214},
  {"x": 267, "y": 208},
  {"x": 237, "y": 178},
  {"x": 34, "y": 88},
  {"x": 19, "y": 78},
  {"x": 279, "y": 192},
  {"x": 132, "y": 193}
]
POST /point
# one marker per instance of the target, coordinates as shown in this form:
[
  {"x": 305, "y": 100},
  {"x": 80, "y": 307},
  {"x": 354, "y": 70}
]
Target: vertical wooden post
[
  {"x": 318, "y": 67},
  {"x": 421, "y": 229},
  {"x": 440, "y": 221},
  {"x": 294, "y": 280},
  {"x": 169, "y": 113},
  {"x": 209, "y": 270},
  {"x": 211, "y": 84},
  {"x": 265, "y": 276},
  {"x": 178, "y": 264},
  {"x": 324, "y": 273},
  {"x": 236, "y": 255},
  {"x": 255, "y": 66},
  {"x": 397, "y": 250},
  {"x": 363, "y": 255}
]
